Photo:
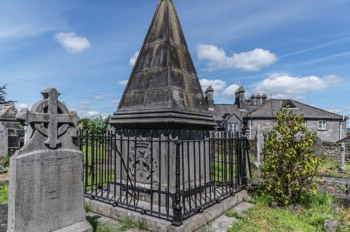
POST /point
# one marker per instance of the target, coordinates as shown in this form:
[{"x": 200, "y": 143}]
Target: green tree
[
  {"x": 96, "y": 125},
  {"x": 290, "y": 163},
  {"x": 2, "y": 95}
]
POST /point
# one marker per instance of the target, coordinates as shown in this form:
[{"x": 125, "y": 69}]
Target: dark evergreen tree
[{"x": 2, "y": 95}]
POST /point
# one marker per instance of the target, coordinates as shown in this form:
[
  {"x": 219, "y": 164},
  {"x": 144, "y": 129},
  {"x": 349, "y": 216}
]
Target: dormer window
[{"x": 288, "y": 104}]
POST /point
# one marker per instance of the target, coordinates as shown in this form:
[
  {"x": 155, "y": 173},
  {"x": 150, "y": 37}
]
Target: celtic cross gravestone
[{"x": 46, "y": 187}]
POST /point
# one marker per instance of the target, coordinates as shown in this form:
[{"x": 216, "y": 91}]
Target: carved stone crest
[{"x": 142, "y": 164}]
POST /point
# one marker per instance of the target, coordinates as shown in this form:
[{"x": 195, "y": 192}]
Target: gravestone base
[
  {"x": 193, "y": 223},
  {"x": 78, "y": 227}
]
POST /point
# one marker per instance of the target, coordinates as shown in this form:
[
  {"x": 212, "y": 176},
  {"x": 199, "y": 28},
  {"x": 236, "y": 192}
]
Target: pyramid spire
[{"x": 163, "y": 87}]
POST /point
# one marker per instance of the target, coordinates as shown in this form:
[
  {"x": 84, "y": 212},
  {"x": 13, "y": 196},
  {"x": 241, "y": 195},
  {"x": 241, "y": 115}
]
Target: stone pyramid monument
[{"x": 163, "y": 90}]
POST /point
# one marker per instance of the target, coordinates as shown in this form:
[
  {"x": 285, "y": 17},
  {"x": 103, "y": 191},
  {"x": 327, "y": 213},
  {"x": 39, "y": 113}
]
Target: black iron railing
[{"x": 169, "y": 174}]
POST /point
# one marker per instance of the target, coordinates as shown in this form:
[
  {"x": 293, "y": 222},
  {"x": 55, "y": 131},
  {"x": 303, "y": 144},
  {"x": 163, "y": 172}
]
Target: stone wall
[
  {"x": 331, "y": 151},
  {"x": 335, "y": 129}
]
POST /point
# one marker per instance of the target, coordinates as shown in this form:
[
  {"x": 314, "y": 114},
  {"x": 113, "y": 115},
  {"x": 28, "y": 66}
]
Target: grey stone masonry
[
  {"x": 342, "y": 157},
  {"x": 3, "y": 140},
  {"x": 163, "y": 90},
  {"x": 15, "y": 134},
  {"x": 46, "y": 184}
]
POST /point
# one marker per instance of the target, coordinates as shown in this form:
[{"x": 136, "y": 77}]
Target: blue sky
[{"x": 287, "y": 49}]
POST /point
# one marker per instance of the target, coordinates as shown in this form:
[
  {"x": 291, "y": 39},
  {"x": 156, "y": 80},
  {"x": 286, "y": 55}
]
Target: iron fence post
[
  {"x": 177, "y": 208},
  {"x": 244, "y": 161}
]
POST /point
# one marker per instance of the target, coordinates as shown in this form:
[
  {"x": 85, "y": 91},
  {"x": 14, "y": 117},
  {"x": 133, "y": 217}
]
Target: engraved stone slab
[
  {"x": 3, "y": 140},
  {"x": 46, "y": 185}
]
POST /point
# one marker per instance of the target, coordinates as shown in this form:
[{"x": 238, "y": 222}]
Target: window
[
  {"x": 232, "y": 127},
  {"x": 322, "y": 125}
]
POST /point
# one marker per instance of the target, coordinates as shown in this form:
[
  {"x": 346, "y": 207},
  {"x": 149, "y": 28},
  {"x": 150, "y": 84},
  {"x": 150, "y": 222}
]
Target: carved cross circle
[{"x": 54, "y": 114}]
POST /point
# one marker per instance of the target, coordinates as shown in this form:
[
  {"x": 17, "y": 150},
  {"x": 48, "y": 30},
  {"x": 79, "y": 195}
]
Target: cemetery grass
[
  {"x": 101, "y": 174},
  {"x": 222, "y": 172},
  {"x": 331, "y": 169},
  {"x": 309, "y": 216},
  {"x": 4, "y": 194}
]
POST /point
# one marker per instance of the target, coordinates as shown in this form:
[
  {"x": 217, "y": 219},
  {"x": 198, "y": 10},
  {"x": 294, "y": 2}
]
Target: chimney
[
  {"x": 253, "y": 99},
  {"x": 240, "y": 98},
  {"x": 263, "y": 98},
  {"x": 258, "y": 99},
  {"x": 209, "y": 97}
]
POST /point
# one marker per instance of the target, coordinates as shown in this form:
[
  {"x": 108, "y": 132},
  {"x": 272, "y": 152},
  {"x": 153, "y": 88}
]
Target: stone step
[
  {"x": 196, "y": 222},
  {"x": 222, "y": 223},
  {"x": 114, "y": 225},
  {"x": 242, "y": 208}
]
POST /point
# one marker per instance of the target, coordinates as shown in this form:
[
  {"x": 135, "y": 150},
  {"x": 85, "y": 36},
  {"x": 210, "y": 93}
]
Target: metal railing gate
[{"x": 160, "y": 175}]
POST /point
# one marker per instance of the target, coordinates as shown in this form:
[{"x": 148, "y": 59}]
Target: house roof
[
  {"x": 221, "y": 109},
  {"x": 344, "y": 140},
  {"x": 270, "y": 108},
  {"x": 222, "y": 112},
  {"x": 163, "y": 87}
]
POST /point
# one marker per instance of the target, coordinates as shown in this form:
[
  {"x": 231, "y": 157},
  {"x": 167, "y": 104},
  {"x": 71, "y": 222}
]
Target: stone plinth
[
  {"x": 147, "y": 158},
  {"x": 46, "y": 186}
]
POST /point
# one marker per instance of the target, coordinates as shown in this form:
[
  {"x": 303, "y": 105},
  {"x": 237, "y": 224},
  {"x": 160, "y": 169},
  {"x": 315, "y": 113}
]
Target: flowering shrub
[{"x": 289, "y": 161}]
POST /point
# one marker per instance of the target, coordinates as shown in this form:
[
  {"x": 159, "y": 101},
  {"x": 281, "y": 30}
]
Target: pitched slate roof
[
  {"x": 163, "y": 87},
  {"x": 344, "y": 140},
  {"x": 223, "y": 112},
  {"x": 270, "y": 107}
]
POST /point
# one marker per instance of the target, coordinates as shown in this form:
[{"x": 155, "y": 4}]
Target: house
[{"x": 257, "y": 114}]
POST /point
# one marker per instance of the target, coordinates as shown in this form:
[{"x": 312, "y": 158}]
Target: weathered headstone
[
  {"x": 15, "y": 133},
  {"x": 259, "y": 147},
  {"x": 46, "y": 185},
  {"x": 318, "y": 146},
  {"x": 342, "y": 157},
  {"x": 3, "y": 140}
]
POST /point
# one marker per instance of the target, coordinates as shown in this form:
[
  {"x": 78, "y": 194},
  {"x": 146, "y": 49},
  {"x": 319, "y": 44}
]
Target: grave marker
[
  {"x": 342, "y": 157},
  {"x": 3, "y": 140},
  {"x": 46, "y": 186},
  {"x": 259, "y": 147}
]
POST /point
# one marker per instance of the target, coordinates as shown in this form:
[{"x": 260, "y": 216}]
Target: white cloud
[
  {"x": 282, "y": 85},
  {"x": 98, "y": 97},
  {"x": 132, "y": 60},
  {"x": 90, "y": 114},
  {"x": 20, "y": 106},
  {"x": 71, "y": 42},
  {"x": 217, "y": 85},
  {"x": 251, "y": 61},
  {"x": 230, "y": 91},
  {"x": 123, "y": 82}
]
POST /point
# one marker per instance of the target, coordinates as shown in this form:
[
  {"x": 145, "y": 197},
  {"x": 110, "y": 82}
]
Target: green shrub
[
  {"x": 5, "y": 161},
  {"x": 97, "y": 125},
  {"x": 3, "y": 193},
  {"x": 289, "y": 164}
]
